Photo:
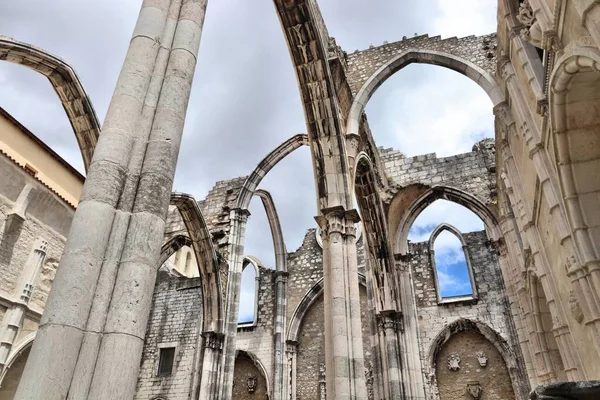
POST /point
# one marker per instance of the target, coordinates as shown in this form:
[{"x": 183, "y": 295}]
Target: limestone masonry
[{"x": 146, "y": 304}]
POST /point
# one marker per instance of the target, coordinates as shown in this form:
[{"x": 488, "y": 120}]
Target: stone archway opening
[{"x": 249, "y": 378}]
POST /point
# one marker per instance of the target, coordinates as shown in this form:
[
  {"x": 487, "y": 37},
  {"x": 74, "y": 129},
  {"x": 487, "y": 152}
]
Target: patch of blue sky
[
  {"x": 247, "y": 296},
  {"x": 451, "y": 266}
]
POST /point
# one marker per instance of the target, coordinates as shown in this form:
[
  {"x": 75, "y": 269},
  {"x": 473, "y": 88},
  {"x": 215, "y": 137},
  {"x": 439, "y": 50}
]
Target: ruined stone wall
[
  {"x": 491, "y": 307},
  {"x": 258, "y": 340},
  {"x": 472, "y": 172},
  {"x": 244, "y": 387},
  {"x": 175, "y": 321},
  {"x": 479, "y": 50},
  {"x": 493, "y": 378}
]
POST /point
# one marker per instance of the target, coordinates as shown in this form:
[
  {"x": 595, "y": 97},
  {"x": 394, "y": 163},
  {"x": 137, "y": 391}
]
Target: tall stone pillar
[
  {"x": 239, "y": 219},
  {"x": 389, "y": 325},
  {"x": 281, "y": 278},
  {"x": 13, "y": 319},
  {"x": 91, "y": 334},
  {"x": 344, "y": 359},
  {"x": 213, "y": 346}
]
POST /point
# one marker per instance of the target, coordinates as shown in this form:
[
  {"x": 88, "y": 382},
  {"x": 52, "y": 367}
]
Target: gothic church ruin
[{"x": 146, "y": 305}]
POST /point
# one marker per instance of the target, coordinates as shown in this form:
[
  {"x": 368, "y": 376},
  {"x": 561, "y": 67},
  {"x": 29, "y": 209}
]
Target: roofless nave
[{"x": 347, "y": 315}]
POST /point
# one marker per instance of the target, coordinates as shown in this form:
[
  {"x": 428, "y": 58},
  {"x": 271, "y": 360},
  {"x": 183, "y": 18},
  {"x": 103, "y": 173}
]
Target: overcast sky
[{"x": 245, "y": 99}]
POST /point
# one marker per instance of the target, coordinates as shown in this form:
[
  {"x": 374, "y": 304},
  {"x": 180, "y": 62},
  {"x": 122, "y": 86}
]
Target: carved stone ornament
[
  {"x": 474, "y": 389},
  {"x": 575, "y": 307},
  {"x": 482, "y": 359},
  {"x": 526, "y": 16},
  {"x": 453, "y": 362},
  {"x": 252, "y": 382}
]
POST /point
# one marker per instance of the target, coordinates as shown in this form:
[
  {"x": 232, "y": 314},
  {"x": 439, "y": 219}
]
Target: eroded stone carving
[
  {"x": 474, "y": 389},
  {"x": 575, "y": 307},
  {"x": 252, "y": 382},
  {"x": 453, "y": 362},
  {"x": 482, "y": 358}
]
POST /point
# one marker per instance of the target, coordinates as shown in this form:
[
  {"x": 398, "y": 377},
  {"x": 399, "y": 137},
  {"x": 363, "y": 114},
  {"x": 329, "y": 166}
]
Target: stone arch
[
  {"x": 259, "y": 366},
  {"x": 10, "y": 377},
  {"x": 402, "y": 222},
  {"x": 434, "y": 234},
  {"x": 304, "y": 305},
  {"x": 206, "y": 257},
  {"x": 263, "y": 168},
  {"x": 381, "y": 264},
  {"x": 499, "y": 343},
  {"x": 276, "y": 232},
  {"x": 483, "y": 78},
  {"x": 574, "y": 100},
  {"x": 67, "y": 86}
]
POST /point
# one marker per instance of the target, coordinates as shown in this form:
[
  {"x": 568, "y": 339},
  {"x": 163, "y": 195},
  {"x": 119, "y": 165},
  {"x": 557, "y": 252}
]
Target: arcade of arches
[{"x": 358, "y": 311}]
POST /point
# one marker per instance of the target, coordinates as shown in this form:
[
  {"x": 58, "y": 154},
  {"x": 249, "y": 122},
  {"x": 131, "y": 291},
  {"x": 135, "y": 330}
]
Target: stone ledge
[{"x": 585, "y": 390}]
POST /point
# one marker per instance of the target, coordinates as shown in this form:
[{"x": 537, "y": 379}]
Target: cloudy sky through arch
[{"x": 245, "y": 99}]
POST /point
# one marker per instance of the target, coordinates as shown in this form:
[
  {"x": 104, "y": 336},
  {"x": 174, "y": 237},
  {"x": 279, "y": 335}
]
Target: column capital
[
  {"x": 338, "y": 220},
  {"x": 390, "y": 319},
  {"x": 239, "y": 214},
  {"x": 281, "y": 276},
  {"x": 291, "y": 346}
]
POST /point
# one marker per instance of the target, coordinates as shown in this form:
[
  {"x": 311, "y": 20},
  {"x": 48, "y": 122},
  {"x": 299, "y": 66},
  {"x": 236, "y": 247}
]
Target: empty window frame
[
  {"x": 453, "y": 274},
  {"x": 166, "y": 359}
]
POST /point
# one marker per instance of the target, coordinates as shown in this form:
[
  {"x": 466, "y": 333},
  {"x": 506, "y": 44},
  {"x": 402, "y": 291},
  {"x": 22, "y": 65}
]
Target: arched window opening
[
  {"x": 248, "y": 300},
  {"x": 427, "y": 118},
  {"x": 451, "y": 267}
]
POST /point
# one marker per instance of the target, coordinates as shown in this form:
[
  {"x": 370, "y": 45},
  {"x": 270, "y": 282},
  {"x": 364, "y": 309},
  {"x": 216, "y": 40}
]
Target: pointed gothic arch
[
  {"x": 519, "y": 383},
  {"x": 200, "y": 239},
  {"x": 445, "y": 227},
  {"x": 574, "y": 94},
  {"x": 400, "y": 221},
  {"x": 476, "y": 73}
]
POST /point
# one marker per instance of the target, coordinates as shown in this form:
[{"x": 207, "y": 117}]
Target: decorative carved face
[
  {"x": 482, "y": 358},
  {"x": 453, "y": 362},
  {"x": 474, "y": 389},
  {"x": 252, "y": 381}
]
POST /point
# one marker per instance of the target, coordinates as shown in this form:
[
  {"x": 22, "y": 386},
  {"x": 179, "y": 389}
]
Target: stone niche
[
  {"x": 248, "y": 380},
  {"x": 469, "y": 366}
]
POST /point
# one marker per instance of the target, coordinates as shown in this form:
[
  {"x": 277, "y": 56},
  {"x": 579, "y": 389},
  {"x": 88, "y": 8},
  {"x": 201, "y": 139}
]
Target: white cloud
[
  {"x": 446, "y": 211},
  {"x": 245, "y": 99}
]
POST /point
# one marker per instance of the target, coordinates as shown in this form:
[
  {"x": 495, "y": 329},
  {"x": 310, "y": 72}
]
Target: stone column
[
  {"x": 344, "y": 357},
  {"x": 291, "y": 352},
  {"x": 211, "y": 366},
  {"x": 239, "y": 219},
  {"x": 91, "y": 334},
  {"x": 13, "y": 319},
  {"x": 279, "y": 336},
  {"x": 389, "y": 324}
]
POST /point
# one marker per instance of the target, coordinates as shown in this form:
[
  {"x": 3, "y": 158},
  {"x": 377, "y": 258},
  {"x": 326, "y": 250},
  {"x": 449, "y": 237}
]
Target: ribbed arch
[{"x": 68, "y": 87}]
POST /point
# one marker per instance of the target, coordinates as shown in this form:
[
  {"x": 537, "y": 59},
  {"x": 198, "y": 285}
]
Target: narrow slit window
[
  {"x": 165, "y": 361},
  {"x": 247, "y": 313}
]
